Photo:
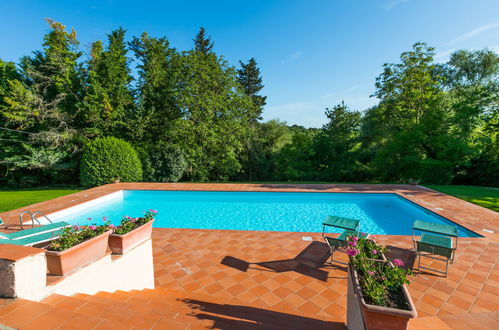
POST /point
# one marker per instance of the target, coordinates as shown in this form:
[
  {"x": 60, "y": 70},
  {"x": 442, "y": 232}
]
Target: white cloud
[
  {"x": 442, "y": 56},
  {"x": 293, "y": 57},
  {"x": 475, "y": 32},
  {"x": 393, "y": 3},
  {"x": 348, "y": 90}
]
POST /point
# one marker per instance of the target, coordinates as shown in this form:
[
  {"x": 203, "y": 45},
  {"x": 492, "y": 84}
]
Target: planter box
[
  {"x": 121, "y": 244},
  {"x": 64, "y": 262},
  {"x": 361, "y": 315}
]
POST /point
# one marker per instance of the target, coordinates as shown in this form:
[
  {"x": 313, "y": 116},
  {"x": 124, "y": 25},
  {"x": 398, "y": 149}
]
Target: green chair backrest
[
  {"x": 436, "y": 228},
  {"x": 340, "y": 222}
]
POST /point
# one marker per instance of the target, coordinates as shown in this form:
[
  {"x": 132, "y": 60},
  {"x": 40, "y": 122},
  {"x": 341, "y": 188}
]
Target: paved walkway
[{"x": 248, "y": 272}]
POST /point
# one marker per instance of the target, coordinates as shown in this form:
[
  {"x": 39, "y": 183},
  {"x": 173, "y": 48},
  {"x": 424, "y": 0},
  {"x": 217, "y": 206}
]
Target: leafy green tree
[
  {"x": 108, "y": 99},
  {"x": 473, "y": 82},
  {"x": 337, "y": 145},
  {"x": 295, "y": 160},
  {"x": 214, "y": 116},
  {"x": 250, "y": 79},
  {"x": 158, "y": 68},
  {"x": 8, "y": 71},
  {"x": 202, "y": 42}
]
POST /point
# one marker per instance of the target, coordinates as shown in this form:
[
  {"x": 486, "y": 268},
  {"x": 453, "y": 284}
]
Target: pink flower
[
  {"x": 93, "y": 228},
  {"x": 153, "y": 211},
  {"x": 355, "y": 238},
  {"x": 398, "y": 262},
  {"x": 375, "y": 251},
  {"x": 352, "y": 243},
  {"x": 352, "y": 252},
  {"x": 76, "y": 228},
  {"x": 104, "y": 218},
  {"x": 111, "y": 226},
  {"x": 370, "y": 272}
]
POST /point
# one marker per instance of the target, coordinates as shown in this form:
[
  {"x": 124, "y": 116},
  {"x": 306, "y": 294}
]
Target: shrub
[
  {"x": 168, "y": 163},
  {"x": 109, "y": 159}
]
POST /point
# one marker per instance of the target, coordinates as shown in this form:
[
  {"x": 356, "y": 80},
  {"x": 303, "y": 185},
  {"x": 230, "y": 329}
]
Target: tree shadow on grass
[{"x": 226, "y": 316}]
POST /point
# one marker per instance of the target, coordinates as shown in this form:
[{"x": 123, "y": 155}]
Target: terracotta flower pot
[
  {"x": 121, "y": 244},
  {"x": 64, "y": 262},
  {"x": 361, "y": 315}
]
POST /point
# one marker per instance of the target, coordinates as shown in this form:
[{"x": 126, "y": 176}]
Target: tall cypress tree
[
  {"x": 108, "y": 97},
  {"x": 202, "y": 42},
  {"x": 250, "y": 79},
  {"x": 157, "y": 69}
]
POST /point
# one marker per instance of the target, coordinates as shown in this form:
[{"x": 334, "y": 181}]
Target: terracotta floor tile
[
  {"x": 306, "y": 293},
  {"x": 49, "y": 320},
  {"x": 112, "y": 325},
  {"x": 24, "y": 314},
  {"x": 472, "y": 284},
  {"x": 80, "y": 321}
]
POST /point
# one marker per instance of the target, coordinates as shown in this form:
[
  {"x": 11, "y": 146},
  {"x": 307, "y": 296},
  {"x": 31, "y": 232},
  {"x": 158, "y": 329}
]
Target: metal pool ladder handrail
[
  {"x": 42, "y": 214},
  {"x": 21, "y": 218},
  {"x": 33, "y": 218}
]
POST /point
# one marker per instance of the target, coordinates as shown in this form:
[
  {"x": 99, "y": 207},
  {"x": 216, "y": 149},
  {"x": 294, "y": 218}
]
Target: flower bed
[
  {"x": 377, "y": 287},
  {"x": 131, "y": 232},
  {"x": 77, "y": 247}
]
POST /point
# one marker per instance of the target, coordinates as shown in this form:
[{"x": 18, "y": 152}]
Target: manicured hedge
[{"x": 109, "y": 159}]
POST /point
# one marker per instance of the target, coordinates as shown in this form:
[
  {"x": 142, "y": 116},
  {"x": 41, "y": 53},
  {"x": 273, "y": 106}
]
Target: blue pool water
[{"x": 274, "y": 211}]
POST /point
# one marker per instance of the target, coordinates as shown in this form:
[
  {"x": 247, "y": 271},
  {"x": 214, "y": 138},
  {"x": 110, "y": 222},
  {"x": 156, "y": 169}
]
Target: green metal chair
[
  {"x": 349, "y": 226},
  {"x": 441, "y": 246},
  {"x": 33, "y": 236}
]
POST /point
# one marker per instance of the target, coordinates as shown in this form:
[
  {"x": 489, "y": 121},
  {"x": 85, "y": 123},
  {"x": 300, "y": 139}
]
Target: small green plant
[
  {"x": 128, "y": 223},
  {"x": 74, "y": 235},
  {"x": 381, "y": 280}
]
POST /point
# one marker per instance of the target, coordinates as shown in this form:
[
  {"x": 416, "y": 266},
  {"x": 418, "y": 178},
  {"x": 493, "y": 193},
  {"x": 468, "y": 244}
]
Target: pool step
[{"x": 159, "y": 308}]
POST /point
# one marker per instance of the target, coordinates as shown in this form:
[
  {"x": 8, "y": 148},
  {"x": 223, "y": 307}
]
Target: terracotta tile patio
[{"x": 250, "y": 279}]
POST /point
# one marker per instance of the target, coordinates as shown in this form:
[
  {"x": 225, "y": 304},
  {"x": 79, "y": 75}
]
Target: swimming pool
[{"x": 271, "y": 211}]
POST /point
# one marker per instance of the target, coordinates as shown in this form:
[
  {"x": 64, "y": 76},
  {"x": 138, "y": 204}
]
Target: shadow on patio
[
  {"x": 225, "y": 316},
  {"x": 308, "y": 262}
]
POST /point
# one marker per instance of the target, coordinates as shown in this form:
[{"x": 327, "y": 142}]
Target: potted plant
[
  {"x": 131, "y": 232},
  {"x": 76, "y": 247},
  {"x": 377, "y": 288}
]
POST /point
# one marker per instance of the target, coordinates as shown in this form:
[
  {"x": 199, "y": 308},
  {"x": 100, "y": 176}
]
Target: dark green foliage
[
  {"x": 193, "y": 116},
  {"x": 158, "y": 69},
  {"x": 337, "y": 145},
  {"x": 109, "y": 159},
  {"x": 167, "y": 163},
  {"x": 108, "y": 98},
  {"x": 202, "y": 42},
  {"x": 250, "y": 79}
]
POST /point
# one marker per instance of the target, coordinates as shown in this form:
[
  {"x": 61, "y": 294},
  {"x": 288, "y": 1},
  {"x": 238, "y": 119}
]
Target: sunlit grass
[
  {"x": 483, "y": 196},
  {"x": 13, "y": 199}
]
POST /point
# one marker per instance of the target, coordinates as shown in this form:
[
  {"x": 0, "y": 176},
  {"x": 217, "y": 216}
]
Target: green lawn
[
  {"x": 483, "y": 196},
  {"x": 13, "y": 199}
]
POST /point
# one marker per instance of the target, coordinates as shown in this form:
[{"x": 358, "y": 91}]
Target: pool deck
[{"x": 239, "y": 279}]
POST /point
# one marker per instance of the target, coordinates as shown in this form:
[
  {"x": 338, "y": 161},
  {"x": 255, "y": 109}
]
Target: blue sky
[{"x": 312, "y": 54}]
